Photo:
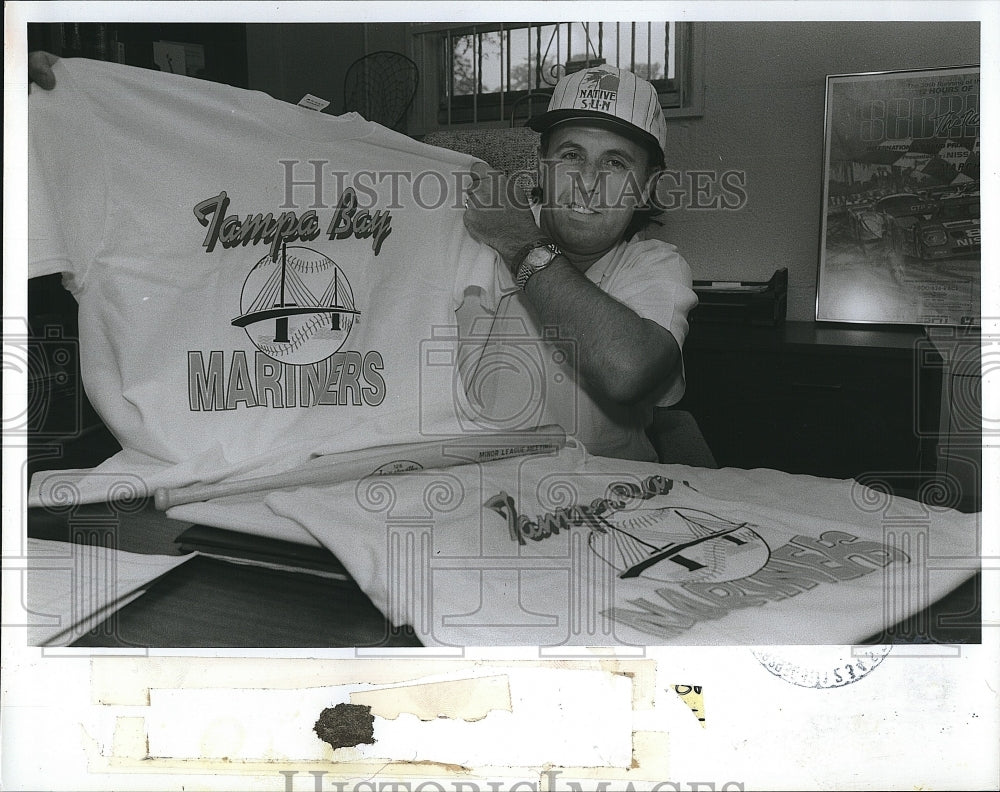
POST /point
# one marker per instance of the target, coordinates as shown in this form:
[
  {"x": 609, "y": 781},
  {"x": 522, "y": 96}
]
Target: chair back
[
  {"x": 530, "y": 104},
  {"x": 381, "y": 87}
]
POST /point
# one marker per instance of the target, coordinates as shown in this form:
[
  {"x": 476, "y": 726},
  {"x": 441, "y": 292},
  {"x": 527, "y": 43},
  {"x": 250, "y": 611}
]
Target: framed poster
[{"x": 900, "y": 232}]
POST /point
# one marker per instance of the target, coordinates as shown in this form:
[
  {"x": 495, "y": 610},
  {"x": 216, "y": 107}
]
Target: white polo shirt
[{"x": 524, "y": 373}]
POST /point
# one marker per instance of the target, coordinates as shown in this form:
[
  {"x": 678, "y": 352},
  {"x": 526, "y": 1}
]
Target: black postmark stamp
[{"x": 821, "y": 667}]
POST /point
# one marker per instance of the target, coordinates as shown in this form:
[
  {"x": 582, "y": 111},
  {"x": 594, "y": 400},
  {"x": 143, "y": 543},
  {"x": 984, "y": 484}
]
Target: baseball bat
[{"x": 336, "y": 468}]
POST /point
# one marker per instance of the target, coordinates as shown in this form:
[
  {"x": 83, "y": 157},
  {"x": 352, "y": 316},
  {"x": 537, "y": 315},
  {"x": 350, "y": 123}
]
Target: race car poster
[{"x": 900, "y": 239}]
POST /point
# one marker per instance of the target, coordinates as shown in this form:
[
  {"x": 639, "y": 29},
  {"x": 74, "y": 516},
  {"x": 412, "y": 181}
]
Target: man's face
[{"x": 593, "y": 179}]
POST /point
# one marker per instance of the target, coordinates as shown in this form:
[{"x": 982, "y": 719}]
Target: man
[
  {"x": 606, "y": 309},
  {"x": 582, "y": 277}
]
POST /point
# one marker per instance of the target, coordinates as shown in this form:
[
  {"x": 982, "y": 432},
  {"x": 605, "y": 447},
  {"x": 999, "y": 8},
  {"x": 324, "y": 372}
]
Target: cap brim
[{"x": 545, "y": 122}]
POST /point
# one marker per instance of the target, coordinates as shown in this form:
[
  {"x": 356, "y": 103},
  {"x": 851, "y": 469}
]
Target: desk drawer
[{"x": 835, "y": 412}]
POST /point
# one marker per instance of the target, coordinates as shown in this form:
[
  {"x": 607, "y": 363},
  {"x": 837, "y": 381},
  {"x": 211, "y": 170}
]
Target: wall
[
  {"x": 764, "y": 102},
  {"x": 288, "y": 61}
]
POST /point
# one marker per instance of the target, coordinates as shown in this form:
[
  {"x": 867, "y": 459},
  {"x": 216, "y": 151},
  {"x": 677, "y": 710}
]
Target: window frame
[{"x": 685, "y": 99}]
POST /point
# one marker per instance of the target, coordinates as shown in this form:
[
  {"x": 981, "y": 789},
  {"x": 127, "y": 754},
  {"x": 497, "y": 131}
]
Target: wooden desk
[
  {"x": 826, "y": 401},
  {"x": 211, "y": 603},
  {"x": 207, "y": 602}
]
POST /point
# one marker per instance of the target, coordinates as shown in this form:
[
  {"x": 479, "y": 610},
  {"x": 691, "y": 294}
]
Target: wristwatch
[{"x": 537, "y": 256}]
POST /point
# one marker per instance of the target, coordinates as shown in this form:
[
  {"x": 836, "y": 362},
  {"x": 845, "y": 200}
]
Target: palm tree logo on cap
[{"x": 601, "y": 80}]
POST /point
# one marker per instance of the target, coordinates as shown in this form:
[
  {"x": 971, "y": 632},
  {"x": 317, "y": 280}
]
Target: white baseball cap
[{"x": 609, "y": 97}]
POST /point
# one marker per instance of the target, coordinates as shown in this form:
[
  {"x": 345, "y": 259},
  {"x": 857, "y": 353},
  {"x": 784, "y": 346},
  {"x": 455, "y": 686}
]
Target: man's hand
[
  {"x": 497, "y": 214},
  {"x": 40, "y": 70},
  {"x": 624, "y": 357}
]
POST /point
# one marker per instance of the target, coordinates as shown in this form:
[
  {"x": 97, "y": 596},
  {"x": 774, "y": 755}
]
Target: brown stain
[
  {"x": 346, "y": 725},
  {"x": 109, "y": 686}
]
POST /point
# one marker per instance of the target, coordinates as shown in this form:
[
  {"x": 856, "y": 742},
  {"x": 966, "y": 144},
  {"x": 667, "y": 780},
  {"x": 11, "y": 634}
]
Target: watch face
[{"x": 537, "y": 259}]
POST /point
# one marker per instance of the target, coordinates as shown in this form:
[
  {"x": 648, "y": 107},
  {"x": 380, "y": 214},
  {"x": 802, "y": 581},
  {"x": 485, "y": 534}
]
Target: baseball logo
[
  {"x": 298, "y": 309},
  {"x": 675, "y": 545}
]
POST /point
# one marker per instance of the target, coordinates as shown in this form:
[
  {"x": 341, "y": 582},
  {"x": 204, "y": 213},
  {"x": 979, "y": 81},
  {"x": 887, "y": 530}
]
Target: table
[
  {"x": 837, "y": 402},
  {"x": 208, "y": 602}
]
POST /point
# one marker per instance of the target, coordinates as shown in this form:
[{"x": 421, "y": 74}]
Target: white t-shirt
[
  {"x": 257, "y": 282},
  {"x": 525, "y": 372},
  {"x": 575, "y": 549}
]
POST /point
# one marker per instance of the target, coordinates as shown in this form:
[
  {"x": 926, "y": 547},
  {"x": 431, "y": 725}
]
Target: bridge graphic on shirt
[
  {"x": 638, "y": 555},
  {"x": 284, "y": 294}
]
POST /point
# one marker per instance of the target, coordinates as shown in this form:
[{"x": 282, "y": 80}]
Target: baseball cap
[{"x": 609, "y": 97}]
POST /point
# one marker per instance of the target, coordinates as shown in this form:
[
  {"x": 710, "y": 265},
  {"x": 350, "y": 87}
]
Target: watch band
[{"x": 536, "y": 257}]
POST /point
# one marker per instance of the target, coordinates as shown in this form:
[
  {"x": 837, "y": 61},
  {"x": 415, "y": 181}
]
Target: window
[{"x": 496, "y": 74}]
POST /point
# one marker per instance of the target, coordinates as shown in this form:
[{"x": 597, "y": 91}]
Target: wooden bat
[{"x": 384, "y": 460}]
